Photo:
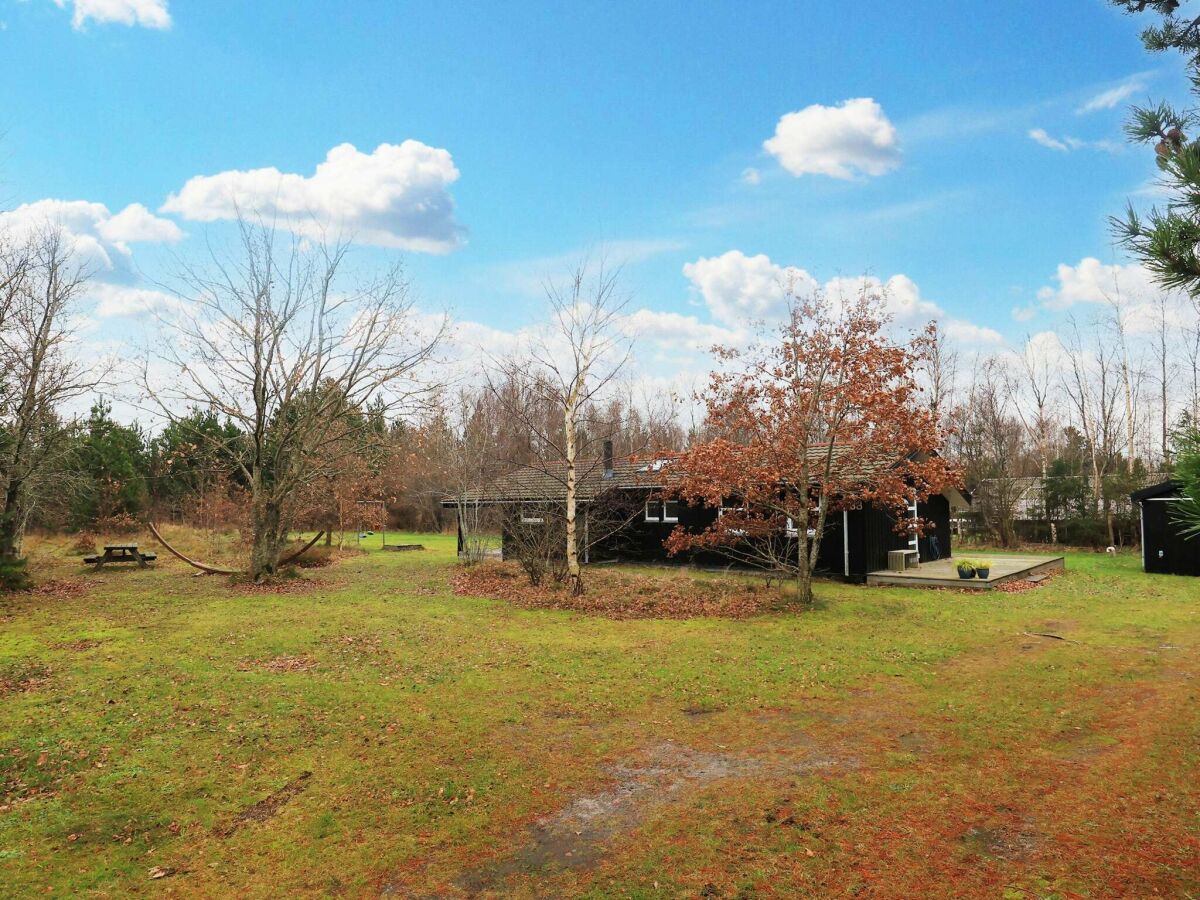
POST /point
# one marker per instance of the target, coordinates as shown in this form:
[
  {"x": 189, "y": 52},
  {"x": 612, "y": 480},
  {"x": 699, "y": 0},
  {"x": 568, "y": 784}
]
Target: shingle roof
[{"x": 548, "y": 481}]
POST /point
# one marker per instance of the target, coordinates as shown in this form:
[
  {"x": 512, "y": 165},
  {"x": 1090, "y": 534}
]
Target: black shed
[{"x": 1165, "y": 549}]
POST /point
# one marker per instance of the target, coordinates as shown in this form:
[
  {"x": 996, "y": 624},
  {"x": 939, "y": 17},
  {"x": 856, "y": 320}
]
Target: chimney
[{"x": 608, "y": 459}]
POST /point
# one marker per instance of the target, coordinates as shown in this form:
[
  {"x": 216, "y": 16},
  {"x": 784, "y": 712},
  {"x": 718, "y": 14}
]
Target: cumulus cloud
[
  {"x": 738, "y": 288},
  {"x": 114, "y": 300},
  {"x": 396, "y": 196},
  {"x": 1110, "y": 97},
  {"x": 1092, "y": 281},
  {"x": 751, "y": 176},
  {"x": 135, "y": 223},
  {"x": 99, "y": 239},
  {"x": 854, "y": 138},
  {"x": 144, "y": 13},
  {"x": 100, "y": 242},
  {"x": 675, "y": 331},
  {"x": 1131, "y": 288}
]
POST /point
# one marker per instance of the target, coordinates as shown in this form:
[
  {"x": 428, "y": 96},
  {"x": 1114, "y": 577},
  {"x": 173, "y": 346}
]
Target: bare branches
[
  {"x": 40, "y": 287},
  {"x": 276, "y": 341}
]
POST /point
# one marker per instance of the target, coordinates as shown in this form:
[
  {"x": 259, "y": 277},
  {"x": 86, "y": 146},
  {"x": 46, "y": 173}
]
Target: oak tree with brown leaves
[{"x": 823, "y": 415}]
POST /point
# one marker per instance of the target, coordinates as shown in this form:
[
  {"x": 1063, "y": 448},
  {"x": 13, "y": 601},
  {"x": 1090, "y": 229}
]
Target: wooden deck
[{"x": 943, "y": 574}]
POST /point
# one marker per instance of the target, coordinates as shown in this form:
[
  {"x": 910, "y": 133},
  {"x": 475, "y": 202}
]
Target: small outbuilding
[{"x": 1165, "y": 548}]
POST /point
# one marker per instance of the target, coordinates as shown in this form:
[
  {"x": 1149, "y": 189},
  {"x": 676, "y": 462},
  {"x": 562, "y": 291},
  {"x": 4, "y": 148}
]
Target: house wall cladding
[{"x": 871, "y": 534}]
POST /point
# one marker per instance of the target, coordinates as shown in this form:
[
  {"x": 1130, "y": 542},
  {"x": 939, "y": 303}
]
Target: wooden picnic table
[{"x": 120, "y": 553}]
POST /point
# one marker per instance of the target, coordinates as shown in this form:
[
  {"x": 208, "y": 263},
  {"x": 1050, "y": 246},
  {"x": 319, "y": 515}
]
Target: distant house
[
  {"x": 1165, "y": 549},
  {"x": 624, "y": 492}
]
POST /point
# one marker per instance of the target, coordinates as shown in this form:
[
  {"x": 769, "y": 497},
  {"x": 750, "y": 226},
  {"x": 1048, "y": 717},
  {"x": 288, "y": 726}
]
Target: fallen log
[
  {"x": 203, "y": 567},
  {"x": 218, "y": 570}
]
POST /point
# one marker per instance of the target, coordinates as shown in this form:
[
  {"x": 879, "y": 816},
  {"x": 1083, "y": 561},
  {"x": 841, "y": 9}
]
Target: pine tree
[{"x": 1167, "y": 241}]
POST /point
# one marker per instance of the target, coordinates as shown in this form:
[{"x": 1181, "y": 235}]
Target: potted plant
[
  {"x": 966, "y": 568},
  {"x": 983, "y": 568}
]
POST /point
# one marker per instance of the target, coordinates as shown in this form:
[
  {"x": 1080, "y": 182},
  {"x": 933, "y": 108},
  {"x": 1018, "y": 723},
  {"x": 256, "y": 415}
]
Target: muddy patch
[
  {"x": 579, "y": 835},
  {"x": 267, "y": 807}
]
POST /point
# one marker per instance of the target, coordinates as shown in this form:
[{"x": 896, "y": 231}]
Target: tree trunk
[
  {"x": 574, "y": 575},
  {"x": 12, "y": 524},
  {"x": 268, "y": 539},
  {"x": 803, "y": 570}
]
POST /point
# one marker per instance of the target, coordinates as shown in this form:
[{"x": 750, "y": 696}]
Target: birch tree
[{"x": 569, "y": 368}]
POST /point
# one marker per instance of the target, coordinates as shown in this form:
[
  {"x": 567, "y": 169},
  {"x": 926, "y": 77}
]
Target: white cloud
[
  {"x": 1040, "y": 136},
  {"x": 738, "y": 289},
  {"x": 675, "y": 331},
  {"x": 1092, "y": 281},
  {"x": 98, "y": 238},
  {"x": 136, "y": 223},
  {"x": 396, "y": 196},
  {"x": 1110, "y": 97},
  {"x": 1067, "y": 143},
  {"x": 855, "y": 138},
  {"x": 751, "y": 176},
  {"x": 1024, "y": 313},
  {"x": 146, "y": 13},
  {"x": 1131, "y": 288},
  {"x": 969, "y": 333},
  {"x": 121, "y": 300}
]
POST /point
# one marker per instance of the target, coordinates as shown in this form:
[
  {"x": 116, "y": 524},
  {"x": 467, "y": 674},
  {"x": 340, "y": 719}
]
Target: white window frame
[
  {"x": 662, "y": 516},
  {"x": 531, "y": 520}
]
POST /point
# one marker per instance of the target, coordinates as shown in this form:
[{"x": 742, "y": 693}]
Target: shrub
[
  {"x": 13, "y": 576},
  {"x": 121, "y": 523},
  {"x": 85, "y": 543}
]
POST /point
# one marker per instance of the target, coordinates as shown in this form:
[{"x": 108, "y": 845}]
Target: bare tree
[
  {"x": 277, "y": 341},
  {"x": 1117, "y": 322},
  {"x": 40, "y": 287},
  {"x": 939, "y": 370},
  {"x": 990, "y": 444},
  {"x": 1092, "y": 389},
  {"x": 1162, "y": 356},
  {"x": 463, "y": 443},
  {"x": 568, "y": 370}
]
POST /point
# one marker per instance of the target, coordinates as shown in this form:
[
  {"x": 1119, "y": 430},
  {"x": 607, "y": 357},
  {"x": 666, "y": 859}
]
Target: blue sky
[{"x": 636, "y": 128}]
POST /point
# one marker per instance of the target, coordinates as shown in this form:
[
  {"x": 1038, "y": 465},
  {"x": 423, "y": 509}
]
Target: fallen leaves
[
  {"x": 281, "y": 664},
  {"x": 617, "y": 594}
]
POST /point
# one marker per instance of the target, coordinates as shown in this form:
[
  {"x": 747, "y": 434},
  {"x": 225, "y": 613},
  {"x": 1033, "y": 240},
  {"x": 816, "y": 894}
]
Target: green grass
[{"x": 146, "y": 717}]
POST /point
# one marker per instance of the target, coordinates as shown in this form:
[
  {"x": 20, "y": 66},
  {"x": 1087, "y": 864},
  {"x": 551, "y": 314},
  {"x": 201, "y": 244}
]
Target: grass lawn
[{"x": 371, "y": 733}]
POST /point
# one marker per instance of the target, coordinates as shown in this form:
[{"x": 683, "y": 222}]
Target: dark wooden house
[
  {"x": 1165, "y": 549},
  {"x": 621, "y": 518}
]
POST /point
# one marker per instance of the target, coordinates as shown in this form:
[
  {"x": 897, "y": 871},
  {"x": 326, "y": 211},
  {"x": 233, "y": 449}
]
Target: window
[
  {"x": 531, "y": 514},
  {"x": 662, "y": 510},
  {"x": 793, "y": 532}
]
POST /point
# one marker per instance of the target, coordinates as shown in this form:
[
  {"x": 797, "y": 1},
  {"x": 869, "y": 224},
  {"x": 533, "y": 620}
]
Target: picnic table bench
[{"x": 120, "y": 553}]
